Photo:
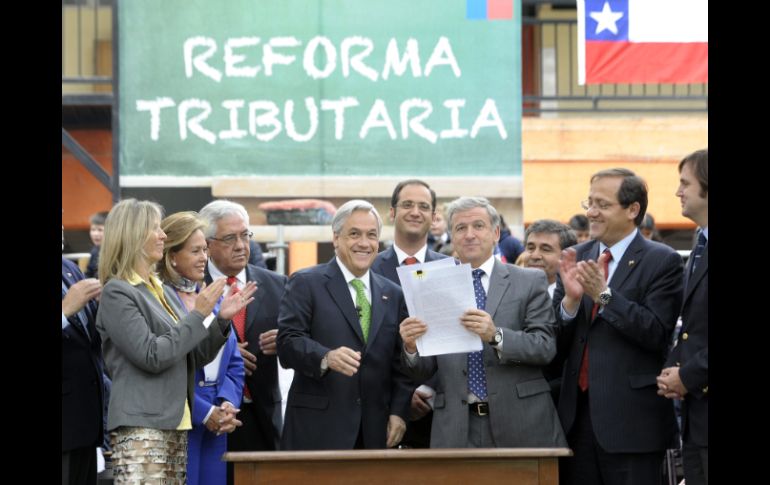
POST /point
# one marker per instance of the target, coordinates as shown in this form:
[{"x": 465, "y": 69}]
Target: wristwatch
[
  {"x": 605, "y": 296},
  {"x": 497, "y": 337}
]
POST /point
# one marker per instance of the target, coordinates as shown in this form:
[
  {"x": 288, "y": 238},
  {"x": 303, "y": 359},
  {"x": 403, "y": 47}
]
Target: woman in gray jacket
[{"x": 152, "y": 347}]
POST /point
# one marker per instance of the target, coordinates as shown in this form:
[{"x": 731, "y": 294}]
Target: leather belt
[{"x": 479, "y": 408}]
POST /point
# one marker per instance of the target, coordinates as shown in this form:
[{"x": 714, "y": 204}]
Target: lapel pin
[
  {"x": 69, "y": 274},
  {"x": 631, "y": 263},
  {"x": 384, "y": 297}
]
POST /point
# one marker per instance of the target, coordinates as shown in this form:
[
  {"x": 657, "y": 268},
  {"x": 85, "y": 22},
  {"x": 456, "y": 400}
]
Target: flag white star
[{"x": 606, "y": 19}]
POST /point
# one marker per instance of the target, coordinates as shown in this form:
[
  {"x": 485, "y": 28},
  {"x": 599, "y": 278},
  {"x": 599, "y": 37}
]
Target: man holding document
[{"x": 495, "y": 395}]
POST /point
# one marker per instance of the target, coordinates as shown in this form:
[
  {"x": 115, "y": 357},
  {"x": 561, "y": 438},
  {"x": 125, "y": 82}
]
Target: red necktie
[
  {"x": 239, "y": 323},
  {"x": 410, "y": 260},
  {"x": 583, "y": 375}
]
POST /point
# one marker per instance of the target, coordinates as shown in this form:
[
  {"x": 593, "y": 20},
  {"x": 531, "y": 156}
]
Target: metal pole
[{"x": 280, "y": 254}]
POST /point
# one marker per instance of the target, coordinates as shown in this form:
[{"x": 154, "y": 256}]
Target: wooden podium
[{"x": 522, "y": 466}]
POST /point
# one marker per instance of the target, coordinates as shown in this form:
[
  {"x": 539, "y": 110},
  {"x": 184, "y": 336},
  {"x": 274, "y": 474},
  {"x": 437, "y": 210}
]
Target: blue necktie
[
  {"x": 698, "y": 251},
  {"x": 477, "y": 375}
]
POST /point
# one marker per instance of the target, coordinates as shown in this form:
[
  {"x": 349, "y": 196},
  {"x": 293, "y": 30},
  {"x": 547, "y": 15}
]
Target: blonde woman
[{"x": 152, "y": 347}]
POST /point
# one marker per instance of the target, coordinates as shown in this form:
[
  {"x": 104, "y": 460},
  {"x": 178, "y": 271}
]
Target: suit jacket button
[
  {"x": 574, "y": 373},
  {"x": 582, "y": 340},
  {"x": 201, "y": 383},
  {"x": 358, "y": 401},
  {"x": 685, "y": 336}
]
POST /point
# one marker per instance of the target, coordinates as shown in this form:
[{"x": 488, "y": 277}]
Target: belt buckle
[
  {"x": 483, "y": 409},
  {"x": 480, "y": 408}
]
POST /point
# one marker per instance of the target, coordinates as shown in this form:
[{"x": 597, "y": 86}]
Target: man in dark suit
[
  {"x": 338, "y": 329},
  {"x": 616, "y": 312},
  {"x": 228, "y": 237},
  {"x": 544, "y": 241},
  {"x": 498, "y": 396},
  {"x": 82, "y": 416},
  {"x": 686, "y": 373},
  {"x": 412, "y": 209}
]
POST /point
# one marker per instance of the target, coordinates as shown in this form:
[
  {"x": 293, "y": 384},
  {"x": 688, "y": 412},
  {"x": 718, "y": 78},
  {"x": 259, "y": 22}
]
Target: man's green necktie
[{"x": 362, "y": 304}]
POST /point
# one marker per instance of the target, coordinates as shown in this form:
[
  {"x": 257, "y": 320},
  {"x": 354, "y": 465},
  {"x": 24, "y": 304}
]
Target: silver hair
[
  {"x": 216, "y": 210},
  {"x": 348, "y": 208},
  {"x": 462, "y": 204}
]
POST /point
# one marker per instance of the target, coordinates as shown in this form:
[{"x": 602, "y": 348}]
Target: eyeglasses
[
  {"x": 230, "y": 239},
  {"x": 408, "y": 205},
  {"x": 599, "y": 204}
]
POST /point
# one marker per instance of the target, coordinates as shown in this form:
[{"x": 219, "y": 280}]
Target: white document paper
[
  {"x": 408, "y": 273},
  {"x": 439, "y": 294}
]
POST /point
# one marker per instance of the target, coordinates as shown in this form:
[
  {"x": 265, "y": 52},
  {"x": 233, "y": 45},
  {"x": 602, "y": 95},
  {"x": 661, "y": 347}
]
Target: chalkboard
[{"x": 332, "y": 87}]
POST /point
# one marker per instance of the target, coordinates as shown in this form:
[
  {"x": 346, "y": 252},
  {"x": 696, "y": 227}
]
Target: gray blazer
[
  {"x": 521, "y": 410},
  {"x": 151, "y": 359}
]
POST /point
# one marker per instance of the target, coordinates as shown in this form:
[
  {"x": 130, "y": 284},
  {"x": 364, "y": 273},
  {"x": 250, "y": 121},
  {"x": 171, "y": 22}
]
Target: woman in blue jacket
[{"x": 218, "y": 385}]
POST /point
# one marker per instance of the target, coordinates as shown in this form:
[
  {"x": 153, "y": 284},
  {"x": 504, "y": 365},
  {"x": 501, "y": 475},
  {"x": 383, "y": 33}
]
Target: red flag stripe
[{"x": 647, "y": 62}]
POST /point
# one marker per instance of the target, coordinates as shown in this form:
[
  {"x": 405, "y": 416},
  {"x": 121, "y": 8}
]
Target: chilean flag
[{"x": 642, "y": 41}]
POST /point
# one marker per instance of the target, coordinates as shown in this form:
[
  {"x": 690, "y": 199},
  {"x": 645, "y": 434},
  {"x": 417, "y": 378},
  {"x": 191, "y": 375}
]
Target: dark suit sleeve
[
  {"x": 70, "y": 329},
  {"x": 208, "y": 349},
  {"x": 423, "y": 369},
  {"x": 90, "y": 308},
  {"x": 649, "y": 318},
  {"x": 695, "y": 373},
  {"x": 296, "y": 348},
  {"x": 403, "y": 386},
  {"x": 565, "y": 329},
  {"x": 673, "y": 356}
]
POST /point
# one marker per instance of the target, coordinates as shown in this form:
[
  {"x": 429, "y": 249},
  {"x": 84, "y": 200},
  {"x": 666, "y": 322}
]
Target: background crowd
[{"x": 175, "y": 340}]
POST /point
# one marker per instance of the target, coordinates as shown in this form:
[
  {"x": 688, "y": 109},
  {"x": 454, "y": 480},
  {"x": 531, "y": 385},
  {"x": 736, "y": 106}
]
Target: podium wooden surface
[{"x": 522, "y": 466}]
